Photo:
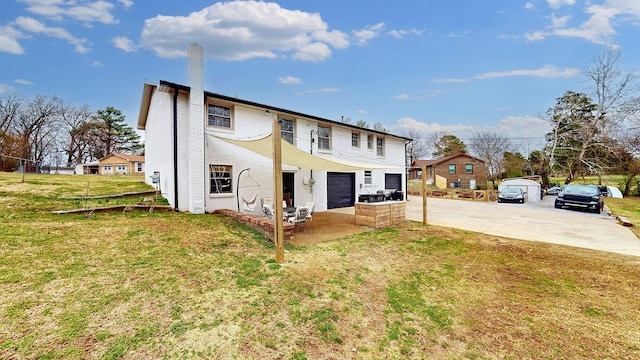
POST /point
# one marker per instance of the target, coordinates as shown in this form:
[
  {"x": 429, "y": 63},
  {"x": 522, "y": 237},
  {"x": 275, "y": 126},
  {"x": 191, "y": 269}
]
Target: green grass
[{"x": 168, "y": 285}]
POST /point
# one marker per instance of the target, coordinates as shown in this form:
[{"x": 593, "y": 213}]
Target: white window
[
  {"x": 355, "y": 139},
  {"x": 287, "y": 130},
  {"x": 219, "y": 116},
  {"x": 324, "y": 138},
  {"x": 139, "y": 166},
  {"x": 370, "y": 142},
  {"x": 367, "y": 177},
  {"x": 220, "y": 178},
  {"x": 380, "y": 146}
]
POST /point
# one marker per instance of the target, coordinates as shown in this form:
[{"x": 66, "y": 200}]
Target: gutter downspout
[{"x": 175, "y": 147}]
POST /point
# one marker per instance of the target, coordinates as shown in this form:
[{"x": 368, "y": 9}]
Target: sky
[{"x": 434, "y": 66}]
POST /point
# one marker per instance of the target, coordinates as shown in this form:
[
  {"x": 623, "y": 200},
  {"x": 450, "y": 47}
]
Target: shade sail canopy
[{"x": 291, "y": 155}]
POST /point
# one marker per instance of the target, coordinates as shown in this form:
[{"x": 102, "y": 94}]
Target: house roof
[
  {"x": 171, "y": 87},
  {"x": 417, "y": 163},
  {"x": 128, "y": 157}
]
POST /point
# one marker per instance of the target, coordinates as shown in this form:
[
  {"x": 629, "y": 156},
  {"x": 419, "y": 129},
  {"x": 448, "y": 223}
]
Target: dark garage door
[
  {"x": 341, "y": 190},
  {"x": 393, "y": 181}
]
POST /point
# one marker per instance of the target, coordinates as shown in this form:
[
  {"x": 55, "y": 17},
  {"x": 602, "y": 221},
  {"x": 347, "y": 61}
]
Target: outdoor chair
[
  {"x": 267, "y": 207},
  {"x": 300, "y": 216},
  {"x": 310, "y": 206}
]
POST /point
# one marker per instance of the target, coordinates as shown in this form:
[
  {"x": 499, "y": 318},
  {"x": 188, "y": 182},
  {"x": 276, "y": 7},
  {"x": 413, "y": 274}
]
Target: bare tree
[
  {"x": 614, "y": 92},
  {"x": 419, "y": 147},
  {"x": 78, "y": 123},
  {"x": 489, "y": 146},
  {"x": 35, "y": 126}
]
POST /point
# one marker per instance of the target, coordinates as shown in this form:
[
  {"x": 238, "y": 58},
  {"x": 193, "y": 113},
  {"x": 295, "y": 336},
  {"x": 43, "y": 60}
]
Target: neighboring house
[
  {"x": 88, "y": 168},
  {"x": 123, "y": 164},
  {"x": 194, "y": 146},
  {"x": 455, "y": 171}
]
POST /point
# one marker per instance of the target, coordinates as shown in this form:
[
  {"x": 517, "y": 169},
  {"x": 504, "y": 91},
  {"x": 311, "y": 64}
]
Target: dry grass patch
[{"x": 171, "y": 285}]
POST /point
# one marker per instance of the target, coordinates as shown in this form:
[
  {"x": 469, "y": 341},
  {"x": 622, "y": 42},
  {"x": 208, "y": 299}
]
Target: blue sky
[{"x": 444, "y": 66}]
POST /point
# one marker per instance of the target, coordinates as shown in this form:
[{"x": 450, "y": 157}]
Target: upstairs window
[
  {"x": 286, "y": 130},
  {"x": 355, "y": 139},
  {"x": 219, "y": 116},
  {"x": 452, "y": 168},
  {"x": 370, "y": 142},
  {"x": 324, "y": 138},
  {"x": 220, "y": 179},
  {"x": 468, "y": 168},
  {"x": 380, "y": 146}
]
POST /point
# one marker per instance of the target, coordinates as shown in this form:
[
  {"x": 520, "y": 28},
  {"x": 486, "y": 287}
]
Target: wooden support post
[
  {"x": 424, "y": 195},
  {"x": 278, "y": 225}
]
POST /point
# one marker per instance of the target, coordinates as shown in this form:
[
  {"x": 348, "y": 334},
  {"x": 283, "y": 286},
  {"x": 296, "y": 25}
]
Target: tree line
[
  {"x": 48, "y": 131},
  {"x": 596, "y": 132}
]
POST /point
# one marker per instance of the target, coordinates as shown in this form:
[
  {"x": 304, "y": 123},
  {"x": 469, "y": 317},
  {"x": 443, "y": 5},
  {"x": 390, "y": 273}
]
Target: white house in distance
[{"x": 211, "y": 151}]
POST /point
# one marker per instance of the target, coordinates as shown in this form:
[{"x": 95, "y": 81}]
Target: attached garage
[{"x": 342, "y": 190}]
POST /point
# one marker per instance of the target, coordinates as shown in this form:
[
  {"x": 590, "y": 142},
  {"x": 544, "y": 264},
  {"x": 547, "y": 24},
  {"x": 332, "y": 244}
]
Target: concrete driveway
[{"x": 538, "y": 221}]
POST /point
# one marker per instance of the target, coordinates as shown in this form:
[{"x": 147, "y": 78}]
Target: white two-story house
[{"x": 208, "y": 151}]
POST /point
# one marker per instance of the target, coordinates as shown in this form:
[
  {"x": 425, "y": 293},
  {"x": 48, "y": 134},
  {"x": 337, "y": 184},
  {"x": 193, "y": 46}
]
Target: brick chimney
[{"x": 197, "y": 169}]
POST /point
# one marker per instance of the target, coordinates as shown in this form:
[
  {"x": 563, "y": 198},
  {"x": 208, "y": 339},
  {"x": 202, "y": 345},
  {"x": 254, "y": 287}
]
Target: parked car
[
  {"x": 512, "y": 194},
  {"x": 554, "y": 190},
  {"x": 581, "y": 196}
]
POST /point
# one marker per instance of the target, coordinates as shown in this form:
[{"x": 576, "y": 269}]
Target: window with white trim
[
  {"x": 468, "y": 168},
  {"x": 219, "y": 116},
  {"x": 286, "y": 130},
  {"x": 367, "y": 177},
  {"x": 355, "y": 139},
  {"x": 324, "y": 138},
  {"x": 370, "y": 142},
  {"x": 220, "y": 179},
  {"x": 380, "y": 146},
  {"x": 139, "y": 166}
]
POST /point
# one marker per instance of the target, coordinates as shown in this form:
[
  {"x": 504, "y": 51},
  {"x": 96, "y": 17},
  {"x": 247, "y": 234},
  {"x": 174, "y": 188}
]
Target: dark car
[
  {"x": 554, "y": 190},
  {"x": 581, "y": 196},
  {"x": 511, "y": 194}
]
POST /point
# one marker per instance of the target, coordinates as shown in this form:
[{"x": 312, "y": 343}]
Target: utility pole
[
  {"x": 278, "y": 225},
  {"x": 424, "y": 195}
]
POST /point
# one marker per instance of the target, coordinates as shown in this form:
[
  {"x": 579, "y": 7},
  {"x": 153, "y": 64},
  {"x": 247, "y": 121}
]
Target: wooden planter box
[{"x": 380, "y": 215}]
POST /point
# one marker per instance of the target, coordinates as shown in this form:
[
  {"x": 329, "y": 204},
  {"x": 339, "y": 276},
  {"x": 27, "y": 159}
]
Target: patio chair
[
  {"x": 310, "y": 206},
  {"x": 300, "y": 216}
]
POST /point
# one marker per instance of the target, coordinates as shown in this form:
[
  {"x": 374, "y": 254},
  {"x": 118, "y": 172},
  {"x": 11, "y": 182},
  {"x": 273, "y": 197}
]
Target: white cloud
[
  {"x": 399, "y": 34},
  {"x": 34, "y": 26},
  {"x": 92, "y": 11},
  {"x": 518, "y": 128},
  {"x": 428, "y": 95},
  {"x": 362, "y": 112},
  {"x": 599, "y": 28},
  {"x": 22, "y": 82},
  {"x": 326, "y": 90},
  {"x": 368, "y": 33},
  {"x": 124, "y": 43},
  {"x": 529, "y": 6},
  {"x": 126, "y": 3},
  {"x": 5, "y": 88},
  {"x": 548, "y": 71},
  {"x": 240, "y": 30},
  {"x": 449, "y": 81},
  {"x": 289, "y": 80},
  {"x": 9, "y": 42},
  {"x": 556, "y": 4},
  {"x": 559, "y": 22}
]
